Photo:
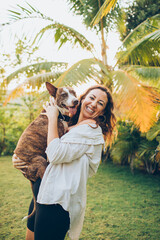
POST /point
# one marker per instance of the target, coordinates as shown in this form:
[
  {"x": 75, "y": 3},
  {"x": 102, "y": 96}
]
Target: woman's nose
[{"x": 93, "y": 104}]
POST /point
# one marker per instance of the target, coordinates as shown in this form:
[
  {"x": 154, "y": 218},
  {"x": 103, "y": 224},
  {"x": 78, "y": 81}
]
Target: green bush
[
  {"x": 136, "y": 149},
  {"x": 13, "y": 122}
]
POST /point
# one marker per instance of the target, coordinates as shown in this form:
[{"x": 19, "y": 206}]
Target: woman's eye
[
  {"x": 101, "y": 103},
  {"x": 92, "y": 98}
]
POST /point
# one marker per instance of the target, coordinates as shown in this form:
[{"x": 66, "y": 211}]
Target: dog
[{"x": 33, "y": 141}]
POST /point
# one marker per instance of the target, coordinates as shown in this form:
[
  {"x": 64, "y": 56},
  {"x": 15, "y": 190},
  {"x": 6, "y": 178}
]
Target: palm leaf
[
  {"x": 147, "y": 149},
  {"x": 31, "y": 83},
  {"x": 82, "y": 72},
  {"x": 21, "y": 12},
  {"x": 149, "y": 73},
  {"x": 120, "y": 151},
  {"x": 120, "y": 22},
  {"x": 19, "y": 91},
  {"x": 154, "y": 131},
  {"x": 142, "y": 52},
  {"x": 143, "y": 29},
  {"x": 104, "y": 10},
  {"x": 138, "y": 102},
  {"x": 65, "y": 34},
  {"x": 30, "y": 70}
]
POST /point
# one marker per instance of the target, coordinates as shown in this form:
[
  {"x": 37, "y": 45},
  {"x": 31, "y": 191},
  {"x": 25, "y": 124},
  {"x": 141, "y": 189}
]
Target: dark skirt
[{"x": 51, "y": 222}]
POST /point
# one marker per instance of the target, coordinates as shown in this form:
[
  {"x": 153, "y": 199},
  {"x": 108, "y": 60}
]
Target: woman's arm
[
  {"x": 52, "y": 114},
  {"x": 59, "y": 152},
  {"x": 52, "y": 129}
]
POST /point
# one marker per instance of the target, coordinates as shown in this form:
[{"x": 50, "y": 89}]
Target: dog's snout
[{"x": 75, "y": 102}]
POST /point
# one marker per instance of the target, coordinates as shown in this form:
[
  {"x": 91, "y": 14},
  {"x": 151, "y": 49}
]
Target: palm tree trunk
[{"x": 103, "y": 45}]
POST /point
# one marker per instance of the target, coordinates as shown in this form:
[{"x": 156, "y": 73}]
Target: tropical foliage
[
  {"x": 134, "y": 80},
  {"x": 12, "y": 123},
  {"x": 136, "y": 149},
  {"x": 15, "y": 117},
  {"x": 37, "y": 70},
  {"x": 136, "y": 59},
  {"x": 138, "y": 12}
]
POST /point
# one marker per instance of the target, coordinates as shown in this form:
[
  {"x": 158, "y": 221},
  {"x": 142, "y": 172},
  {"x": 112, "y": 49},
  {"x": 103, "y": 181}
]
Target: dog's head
[{"x": 64, "y": 97}]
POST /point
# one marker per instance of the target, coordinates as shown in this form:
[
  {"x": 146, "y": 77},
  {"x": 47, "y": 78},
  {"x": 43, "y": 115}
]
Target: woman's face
[{"x": 93, "y": 104}]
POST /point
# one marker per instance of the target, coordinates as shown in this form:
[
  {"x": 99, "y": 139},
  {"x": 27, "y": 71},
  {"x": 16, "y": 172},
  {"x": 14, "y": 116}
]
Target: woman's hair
[{"x": 107, "y": 121}]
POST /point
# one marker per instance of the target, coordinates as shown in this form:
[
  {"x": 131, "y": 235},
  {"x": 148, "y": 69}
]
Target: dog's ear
[{"x": 51, "y": 89}]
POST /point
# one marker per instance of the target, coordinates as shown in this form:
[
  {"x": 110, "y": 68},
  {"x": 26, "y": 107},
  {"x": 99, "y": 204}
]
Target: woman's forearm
[
  {"x": 52, "y": 129},
  {"x": 52, "y": 114}
]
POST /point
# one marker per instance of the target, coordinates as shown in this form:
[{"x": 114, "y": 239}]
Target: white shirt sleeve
[
  {"x": 95, "y": 160},
  {"x": 62, "y": 152}
]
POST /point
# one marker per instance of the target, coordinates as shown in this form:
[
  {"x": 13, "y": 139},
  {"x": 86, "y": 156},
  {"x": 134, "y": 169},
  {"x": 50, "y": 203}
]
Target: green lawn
[{"x": 119, "y": 206}]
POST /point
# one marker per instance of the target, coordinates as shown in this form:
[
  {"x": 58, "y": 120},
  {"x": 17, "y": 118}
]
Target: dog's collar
[{"x": 63, "y": 117}]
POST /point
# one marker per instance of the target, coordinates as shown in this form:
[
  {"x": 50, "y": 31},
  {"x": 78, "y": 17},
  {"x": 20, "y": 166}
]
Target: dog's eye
[
  {"x": 73, "y": 93},
  {"x": 64, "y": 94}
]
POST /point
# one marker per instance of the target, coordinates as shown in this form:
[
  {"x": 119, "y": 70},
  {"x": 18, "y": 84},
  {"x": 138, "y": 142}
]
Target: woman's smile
[{"x": 89, "y": 109}]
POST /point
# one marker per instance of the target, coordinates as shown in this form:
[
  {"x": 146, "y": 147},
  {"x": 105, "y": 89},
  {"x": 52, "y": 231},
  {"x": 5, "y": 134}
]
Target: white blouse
[{"x": 73, "y": 158}]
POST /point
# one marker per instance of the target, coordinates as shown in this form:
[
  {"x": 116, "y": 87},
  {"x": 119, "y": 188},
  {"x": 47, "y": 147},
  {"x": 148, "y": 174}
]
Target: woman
[{"x": 61, "y": 199}]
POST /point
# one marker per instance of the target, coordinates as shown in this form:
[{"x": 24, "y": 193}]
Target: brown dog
[{"x": 33, "y": 142}]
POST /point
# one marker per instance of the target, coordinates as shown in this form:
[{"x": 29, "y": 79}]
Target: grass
[{"x": 120, "y": 206}]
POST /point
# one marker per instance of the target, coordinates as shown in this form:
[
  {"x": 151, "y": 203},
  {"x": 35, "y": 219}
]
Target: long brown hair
[{"x": 107, "y": 121}]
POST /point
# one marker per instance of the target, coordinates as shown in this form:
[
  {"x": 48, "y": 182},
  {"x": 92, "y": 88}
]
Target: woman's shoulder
[
  {"x": 86, "y": 132},
  {"x": 84, "y": 123}
]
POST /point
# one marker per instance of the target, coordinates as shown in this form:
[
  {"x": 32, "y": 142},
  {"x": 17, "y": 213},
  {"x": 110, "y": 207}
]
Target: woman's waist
[{"x": 63, "y": 197}]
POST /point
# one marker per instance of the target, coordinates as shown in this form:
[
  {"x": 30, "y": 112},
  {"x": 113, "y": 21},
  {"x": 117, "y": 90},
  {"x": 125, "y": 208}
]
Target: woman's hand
[
  {"x": 18, "y": 163},
  {"x": 51, "y": 110}
]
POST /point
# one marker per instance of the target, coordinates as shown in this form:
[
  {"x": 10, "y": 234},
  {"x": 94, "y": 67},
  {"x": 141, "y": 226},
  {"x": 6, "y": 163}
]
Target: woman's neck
[
  {"x": 82, "y": 119},
  {"x": 87, "y": 120}
]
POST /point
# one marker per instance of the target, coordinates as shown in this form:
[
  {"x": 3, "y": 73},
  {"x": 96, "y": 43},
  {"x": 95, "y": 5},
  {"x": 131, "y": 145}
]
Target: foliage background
[{"x": 134, "y": 84}]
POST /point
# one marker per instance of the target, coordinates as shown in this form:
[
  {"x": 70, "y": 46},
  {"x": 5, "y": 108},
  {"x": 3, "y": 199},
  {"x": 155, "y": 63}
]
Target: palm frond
[
  {"x": 83, "y": 71},
  {"x": 138, "y": 102},
  {"x": 126, "y": 144},
  {"x": 143, "y": 29},
  {"x": 147, "y": 149},
  {"x": 143, "y": 73},
  {"x": 154, "y": 131},
  {"x": 120, "y": 22},
  {"x": 21, "y": 12},
  {"x": 17, "y": 92},
  {"x": 120, "y": 152},
  {"x": 143, "y": 52},
  {"x": 34, "y": 82},
  {"x": 32, "y": 69},
  {"x": 65, "y": 34},
  {"x": 104, "y": 10}
]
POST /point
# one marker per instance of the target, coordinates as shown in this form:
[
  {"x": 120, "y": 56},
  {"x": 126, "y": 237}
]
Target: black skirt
[{"x": 51, "y": 222}]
